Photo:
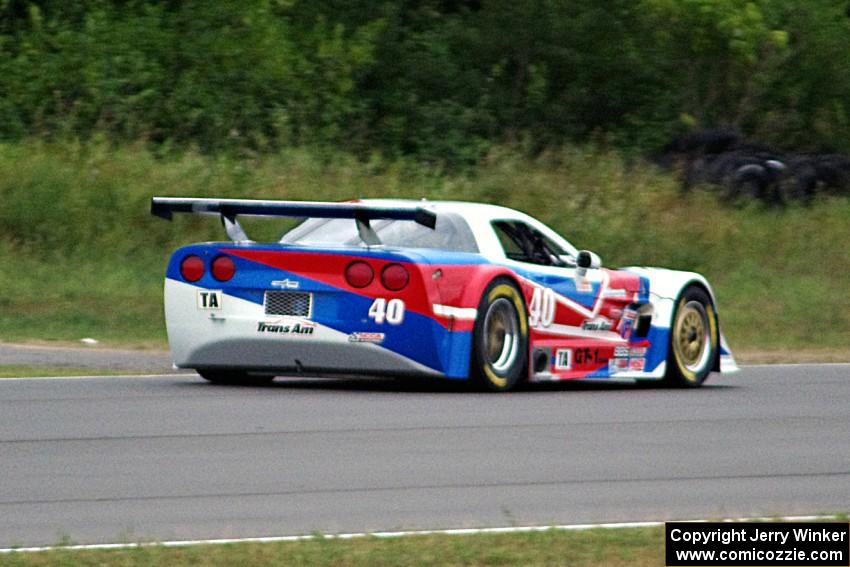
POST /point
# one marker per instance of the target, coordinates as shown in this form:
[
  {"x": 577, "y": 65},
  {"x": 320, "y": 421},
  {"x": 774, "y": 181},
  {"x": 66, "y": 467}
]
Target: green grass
[
  {"x": 13, "y": 371},
  {"x": 599, "y": 547},
  {"x": 593, "y": 548},
  {"x": 83, "y": 257}
]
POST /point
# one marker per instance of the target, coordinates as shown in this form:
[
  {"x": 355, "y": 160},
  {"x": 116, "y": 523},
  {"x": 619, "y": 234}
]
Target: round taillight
[
  {"x": 359, "y": 274},
  {"x": 192, "y": 268},
  {"x": 223, "y": 268},
  {"x": 394, "y": 277}
]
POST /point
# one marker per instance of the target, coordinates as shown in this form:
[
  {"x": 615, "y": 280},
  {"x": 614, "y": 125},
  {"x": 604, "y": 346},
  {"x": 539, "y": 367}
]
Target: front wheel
[
  {"x": 500, "y": 337},
  {"x": 694, "y": 340}
]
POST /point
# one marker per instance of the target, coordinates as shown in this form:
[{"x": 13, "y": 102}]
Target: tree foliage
[{"x": 440, "y": 80}]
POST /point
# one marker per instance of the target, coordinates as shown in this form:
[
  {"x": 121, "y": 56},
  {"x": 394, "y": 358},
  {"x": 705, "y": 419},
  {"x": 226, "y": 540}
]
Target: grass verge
[
  {"x": 49, "y": 371},
  {"x": 84, "y": 257},
  {"x": 592, "y": 548}
]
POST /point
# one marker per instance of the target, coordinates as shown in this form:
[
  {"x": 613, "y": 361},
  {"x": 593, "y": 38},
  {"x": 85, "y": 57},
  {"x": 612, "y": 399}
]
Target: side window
[
  {"x": 511, "y": 240},
  {"x": 526, "y": 244},
  {"x": 550, "y": 244}
]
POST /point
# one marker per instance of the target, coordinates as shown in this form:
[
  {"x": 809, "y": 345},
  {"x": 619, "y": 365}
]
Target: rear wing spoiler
[{"x": 362, "y": 213}]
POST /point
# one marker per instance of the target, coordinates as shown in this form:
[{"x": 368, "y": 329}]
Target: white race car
[{"x": 456, "y": 290}]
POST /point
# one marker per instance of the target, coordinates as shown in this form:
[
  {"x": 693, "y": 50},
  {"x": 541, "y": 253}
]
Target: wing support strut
[{"x": 228, "y": 209}]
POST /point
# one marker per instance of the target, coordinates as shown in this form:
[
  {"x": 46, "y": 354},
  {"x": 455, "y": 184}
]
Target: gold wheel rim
[{"x": 690, "y": 338}]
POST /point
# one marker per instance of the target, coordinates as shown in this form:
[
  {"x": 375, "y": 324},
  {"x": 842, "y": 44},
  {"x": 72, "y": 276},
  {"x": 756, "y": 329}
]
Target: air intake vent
[
  {"x": 292, "y": 303},
  {"x": 642, "y": 325}
]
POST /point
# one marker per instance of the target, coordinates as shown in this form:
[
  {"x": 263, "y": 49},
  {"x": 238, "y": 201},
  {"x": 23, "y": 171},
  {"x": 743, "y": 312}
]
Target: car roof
[
  {"x": 465, "y": 209},
  {"x": 479, "y": 216}
]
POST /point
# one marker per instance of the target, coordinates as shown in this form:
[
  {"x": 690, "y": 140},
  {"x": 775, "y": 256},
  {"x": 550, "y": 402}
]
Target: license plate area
[{"x": 288, "y": 303}]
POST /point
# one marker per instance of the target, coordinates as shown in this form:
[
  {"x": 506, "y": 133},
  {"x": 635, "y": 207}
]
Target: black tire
[
  {"x": 500, "y": 338},
  {"x": 694, "y": 340},
  {"x": 233, "y": 377}
]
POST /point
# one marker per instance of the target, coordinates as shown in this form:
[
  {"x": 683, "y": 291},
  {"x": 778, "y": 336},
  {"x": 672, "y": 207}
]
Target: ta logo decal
[
  {"x": 564, "y": 359},
  {"x": 209, "y": 299}
]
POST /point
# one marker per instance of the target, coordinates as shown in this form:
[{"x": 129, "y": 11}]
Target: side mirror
[{"x": 587, "y": 259}]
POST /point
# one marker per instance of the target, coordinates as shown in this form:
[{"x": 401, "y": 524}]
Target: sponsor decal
[
  {"x": 286, "y": 328},
  {"x": 627, "y": 323},
  {"x": 616, "y": 365},
  {"x": 563, "y": 359},
  {"x": 583, "y": 356},
  {"x": 596, "y": 325},
  {"x": 286, "y": 284},
  {"x": 583, "y": 285},
  {"x": 209, "y": 300},
  {"x": 625, "y": 363},
  {"x": 615, "y": 293},
  {"x": 375, "y": 338},
  {"x": 638, "y": 351}
]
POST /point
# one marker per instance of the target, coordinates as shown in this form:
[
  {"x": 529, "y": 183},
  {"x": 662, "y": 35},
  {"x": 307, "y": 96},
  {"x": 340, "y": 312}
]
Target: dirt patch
[
  {"x": 808, "y": 356},
  {"x": 95, "y": 358}
]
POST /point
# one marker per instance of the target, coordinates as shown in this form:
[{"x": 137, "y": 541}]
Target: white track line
[
  {"x": 793, "y": 364},
  {"x": 396, "y": 534}
]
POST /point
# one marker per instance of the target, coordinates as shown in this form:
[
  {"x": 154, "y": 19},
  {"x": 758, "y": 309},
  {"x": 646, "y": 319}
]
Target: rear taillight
[
  {"x": 192, "y": 268},
  {"x": 359, "y": 274},
  {"x": 394, "y": 277},
  {"x": 223, "y": 268}
]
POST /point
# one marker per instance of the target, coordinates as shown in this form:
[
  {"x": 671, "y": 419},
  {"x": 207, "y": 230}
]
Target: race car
[{"x": 456, "y": 290}]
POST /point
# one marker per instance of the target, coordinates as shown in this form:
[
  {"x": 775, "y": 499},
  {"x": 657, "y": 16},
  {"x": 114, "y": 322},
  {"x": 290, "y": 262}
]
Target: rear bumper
[
  {"x": 239, "y": 335},
  {"x": 264, "y": 356}
]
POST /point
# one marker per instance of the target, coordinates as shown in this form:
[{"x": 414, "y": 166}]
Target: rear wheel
[
  {"x": 500, "y": 338},
  {"x": 694, "y": 340},
  {"x": 233, "y": 377}
]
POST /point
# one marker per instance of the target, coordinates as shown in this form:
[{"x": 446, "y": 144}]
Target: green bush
[{"x": 441, "y": 80}]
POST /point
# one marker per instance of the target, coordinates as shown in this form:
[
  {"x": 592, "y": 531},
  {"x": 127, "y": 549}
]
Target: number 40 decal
[
  {"x": 391, "y": 311},
  {"x": 541, "y": 310}
]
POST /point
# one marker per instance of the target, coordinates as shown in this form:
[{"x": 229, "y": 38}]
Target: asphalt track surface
[{"x": 171, "y": 457}]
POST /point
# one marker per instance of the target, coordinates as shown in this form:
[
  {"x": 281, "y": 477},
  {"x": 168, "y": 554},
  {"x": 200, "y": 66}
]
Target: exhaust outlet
[{"x": 541, "y": 361}]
